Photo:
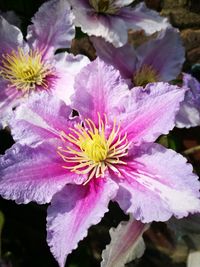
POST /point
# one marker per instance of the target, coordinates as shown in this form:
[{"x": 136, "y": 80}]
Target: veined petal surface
[
  {"x": 165, "y": 57},
  {"x": 11, "y": 37},
  {"x": 67, "y": 67},
  {"x": 99, "y": 88},
  {"x": 123, "y": 58},
  {"x": 151, "y": 111},
  {"x": 42, "y": 117},
  {"x": 112, "y": 28},
  {"x": 73, "y": 211},
  {"x": 144, "y": 113},
  {"x": 158, "y": 183},
  {"x": 189, "y": 114},
  {"x": 126, "y": 244},
  {"x": 52, "y": 27},
  {"x": 32, "y": 174},
  {"x": 144, "y": 18}
]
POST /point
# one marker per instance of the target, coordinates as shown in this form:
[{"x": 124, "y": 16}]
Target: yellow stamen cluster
[
  {"x": 104, "y": 6},
  {"x": 25, "y": 71},
  {"x": 92, "y": 152},
  {"x": 145, "y": 75}
]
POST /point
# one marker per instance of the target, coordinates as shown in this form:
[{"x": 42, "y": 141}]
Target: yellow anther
[
  {"x": 25, "y": 71},
  {"x": 90, "y": 151}
]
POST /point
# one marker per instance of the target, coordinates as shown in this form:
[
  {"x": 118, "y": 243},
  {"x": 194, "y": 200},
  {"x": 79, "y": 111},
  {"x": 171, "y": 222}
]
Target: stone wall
[{"x": 185, "y": 15}]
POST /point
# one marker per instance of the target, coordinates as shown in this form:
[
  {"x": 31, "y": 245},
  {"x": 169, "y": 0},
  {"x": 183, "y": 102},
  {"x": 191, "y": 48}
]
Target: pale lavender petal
[
  {"x": 164, "y": 56},
  {"x": 99, "y": 88},
  {"x": 144, "y": 18},
  {"x": 42, "y": 117},
  {"x": 189, "y": 114},
  {"x": 73, "y": 211},
  {"x": 10, "y": 36},
  {"x": 193, "y": 259},
  {"x": 32, "y": 174},
  {"x": 144, "y": 113},
  {"x": 112, "y": 28},
  {"x": 126, "y": 244},
  {"x": 159, "y": 183},
  {"x": 151, "y": 111},
  {"x": 52, "y": 27},
  {"x": 9, "y": 98},
  {"x": 123, "y": 58},
  {"x": 67, "y": 67}
]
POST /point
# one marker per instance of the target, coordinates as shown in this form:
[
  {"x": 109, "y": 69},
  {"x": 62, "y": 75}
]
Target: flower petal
[
  {"x": 37, "y": 119},
  {"x": 112, "y": 28},
  {"x": 67, "y": 67},
  {"x": 165, "y": 57},
  {"x": 123, "y": 58},
  {"x": 52, "y": 27},
  {"x": 144, "y": 113},
  {"x": 32, "y": 174},
  {"x": 193, "y": 259},
  {"x": 10, "y": 36},
  {"x": 73, "y": 211},
  {"x": 151, "y": 111},
  {"x": 9, "y": 98},
  {"x": 189, "y": 114},
  {"x": 126, "y": 244},
  {"x": 144, "y": 18},
  {"x": 159, "y": 183},
  {"x": 99, "y": 88}
]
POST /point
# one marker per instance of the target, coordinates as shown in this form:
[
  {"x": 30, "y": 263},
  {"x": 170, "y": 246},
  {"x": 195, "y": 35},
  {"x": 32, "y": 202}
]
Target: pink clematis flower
[
  {"x": 80, "y": 164},
  {"x": 154, "y": 61},
  {"x": 32, "y": 66},
  {"x": 111, "y": 19},
  {"x": 189, "y": 114}
]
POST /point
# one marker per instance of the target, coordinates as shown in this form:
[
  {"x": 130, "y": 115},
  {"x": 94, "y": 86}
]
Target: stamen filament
[
  {"x": 25, "y": 71},
  {"x": 92, "y": 152}
]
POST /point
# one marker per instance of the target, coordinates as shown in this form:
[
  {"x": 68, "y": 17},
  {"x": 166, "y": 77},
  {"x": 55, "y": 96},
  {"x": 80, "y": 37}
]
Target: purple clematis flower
[
  {"x": 111, "y": 19},
  {"x": 80, "y": 164},
  {"x": 156, "y": 60},
  {"x": 32, "y": 66},
  {"x": 189, "y": 114}
]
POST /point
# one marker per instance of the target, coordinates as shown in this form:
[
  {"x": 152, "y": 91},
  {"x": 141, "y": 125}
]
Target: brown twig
[{"x": 191, "y": 150}]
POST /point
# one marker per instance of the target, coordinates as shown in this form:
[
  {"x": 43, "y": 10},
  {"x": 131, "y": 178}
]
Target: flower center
[
  {"x": 91, "y": 151},
  {"x": 145, "y": 75},
  {"x": 25, "y": 71},
  {"x": 104, "y": 6}
]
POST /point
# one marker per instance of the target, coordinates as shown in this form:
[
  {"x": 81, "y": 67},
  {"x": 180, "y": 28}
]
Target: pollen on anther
[
  {"x": 25, "y": 70},
  {"x": 90, "y": 150}
]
